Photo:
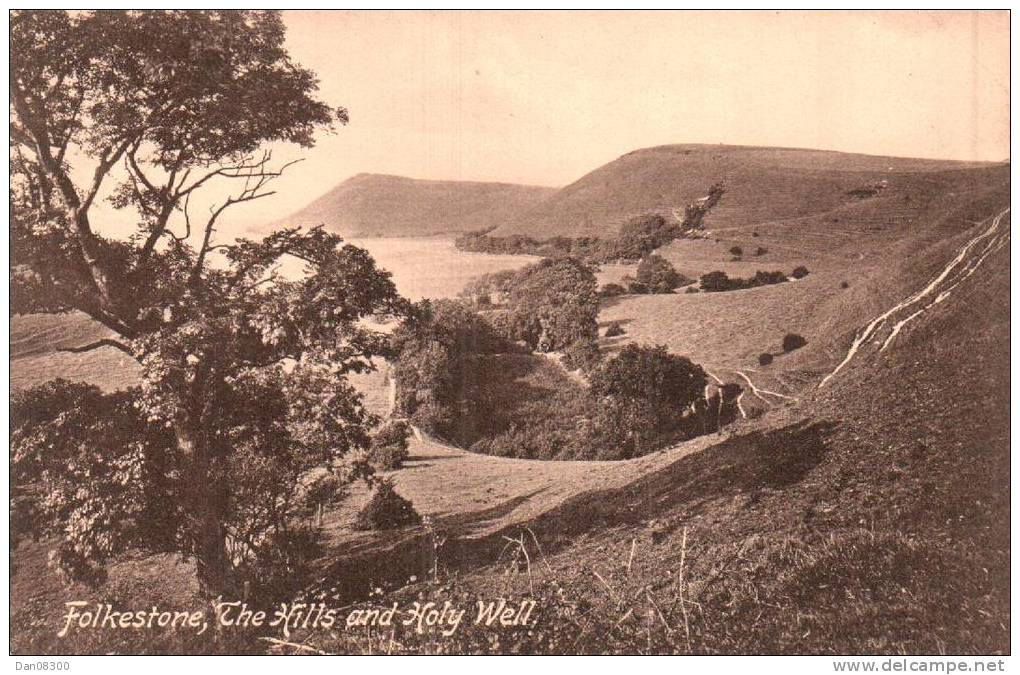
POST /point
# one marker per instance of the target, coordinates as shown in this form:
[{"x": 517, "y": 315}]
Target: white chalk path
[
  {"x": 871, "y": 329},
  {"x": 757, "y": 391}
]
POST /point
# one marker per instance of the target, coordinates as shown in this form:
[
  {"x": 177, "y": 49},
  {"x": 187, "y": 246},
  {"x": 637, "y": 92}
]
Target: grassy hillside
[
  {"x": 373, "y": 205},
  {"x": 36, "y": 341},
  {"x": 867, "y": 516},
  {"x": 764, "y": 184}
]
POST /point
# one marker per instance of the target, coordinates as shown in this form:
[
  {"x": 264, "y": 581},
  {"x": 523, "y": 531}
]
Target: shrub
[
  {"x": 761, "y": 250},
  {"x": 754, "y": 234},
  {"x": 388, "y": 457},
  {"x": 715, "y": 281},
  {"x": 611, "y": 290},
  {"x": 637, "y": 288},
  {"x": 386, "y": 510},
  {"x": 793, "y": 341},
  {"x": 844, "y": 284},
  {"x": 718, "y": 281},
  {"x": 582, "y": 354},
  {"x": 615, "y": 330},
  {"x": 764, "y": 359},
  {"x": 737, "y": 251},
  {"x": 393, "y": 433},
  {"x": 658, "y": 276},
  {"x": 691, "y": 289},
  {"x": 800, "y": 272}
]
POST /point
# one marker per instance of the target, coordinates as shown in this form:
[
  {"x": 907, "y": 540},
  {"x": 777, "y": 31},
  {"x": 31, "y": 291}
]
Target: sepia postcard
[{"x": 510, "y": 332}]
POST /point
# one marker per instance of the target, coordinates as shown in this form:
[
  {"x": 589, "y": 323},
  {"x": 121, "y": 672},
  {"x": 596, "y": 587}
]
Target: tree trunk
[{"x": 205, "y": 501}]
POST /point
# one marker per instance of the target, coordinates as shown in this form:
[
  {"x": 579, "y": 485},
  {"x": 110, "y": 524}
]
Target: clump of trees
[
  {"x": 554, "y": 304},
  {"x": 641, "y": 394},
  {"x": 719, "y": 281},
  {"x": 635, "y": 404},
  {"x": 637, "y": 237},
  {"x": 489, "y": 289},
  {"x": 166, "y": 106},
  {"x": 551, "y": 305},
  {"x": 431, "y": 347}
]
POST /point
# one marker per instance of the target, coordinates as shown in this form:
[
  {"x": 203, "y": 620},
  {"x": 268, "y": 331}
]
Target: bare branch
[
  {"x": 256, "y": 178},
  {"x": 105, "y": 342}
]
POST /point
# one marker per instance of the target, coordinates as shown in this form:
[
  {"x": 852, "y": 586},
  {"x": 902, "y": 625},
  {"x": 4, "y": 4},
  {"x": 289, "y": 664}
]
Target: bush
[
  {"x": 800, "y": 272},
  {"x": 737, "y": 251},
  {"x": 388, "y": 457},
  {"x": 659, "y": 276},
  {"x": 386, "y": 510},
  {"x": 615, "y": 330},
  {"x": 611, "y": 291},
  {"x": 392, "y": 433},
  {"x": 767, "y": 278},
  {"x": 582, "y": 354},
  {"x": 761, "y": 250},
  {"x": 637, "y": 288},
  {"x": 764, "y": 359},
  {"x": 754, "y": 234},
  {"x": 388, "y": 450},
  {"x": 691, "y": 289},
  {"x": 793, "y": 341},
  {"x": 844, "y": 284},
  {"x": 718, "y": 281}
]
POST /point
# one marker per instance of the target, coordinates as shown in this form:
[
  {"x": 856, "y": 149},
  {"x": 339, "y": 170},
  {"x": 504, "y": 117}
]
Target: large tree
[{"x": 242, "y": 370}]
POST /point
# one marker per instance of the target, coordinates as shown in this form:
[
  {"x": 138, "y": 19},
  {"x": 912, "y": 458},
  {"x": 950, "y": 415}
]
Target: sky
[{"x": 545, "y": 97}]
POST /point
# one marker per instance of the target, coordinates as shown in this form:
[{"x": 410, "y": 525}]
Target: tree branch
[
  {"x": 256, "y": 178},
  {"x": 105, "y": 342}
]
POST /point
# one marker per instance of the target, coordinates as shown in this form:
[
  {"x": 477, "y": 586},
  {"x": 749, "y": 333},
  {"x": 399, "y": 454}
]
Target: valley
[{"x": 807, "y": 479}]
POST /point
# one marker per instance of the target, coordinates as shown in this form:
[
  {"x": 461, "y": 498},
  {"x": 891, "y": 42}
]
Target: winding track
[{"x": 962, "y": 266}]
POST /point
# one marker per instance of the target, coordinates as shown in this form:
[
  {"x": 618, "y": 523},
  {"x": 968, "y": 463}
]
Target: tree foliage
[
  {"x": 158, "y": 106},
  {"x": 642, "y": 393},
  {"x": 554, "y": 303}
]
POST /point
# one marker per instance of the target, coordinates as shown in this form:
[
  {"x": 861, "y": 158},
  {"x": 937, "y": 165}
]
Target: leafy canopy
[{"x": 243, "y": 384}]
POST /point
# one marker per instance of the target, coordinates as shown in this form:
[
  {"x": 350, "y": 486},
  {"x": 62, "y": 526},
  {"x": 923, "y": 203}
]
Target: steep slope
[
  {"x": 764, "y": 184},
  {"x": 863, "y": 258},
  {"x": 373, "y": 205},
  {"x": 868, "y": 516}
]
